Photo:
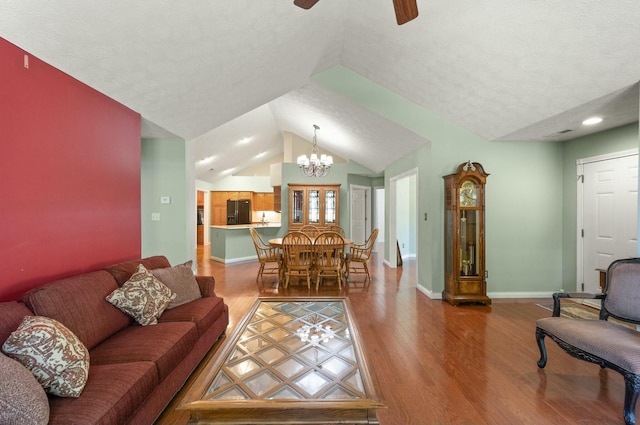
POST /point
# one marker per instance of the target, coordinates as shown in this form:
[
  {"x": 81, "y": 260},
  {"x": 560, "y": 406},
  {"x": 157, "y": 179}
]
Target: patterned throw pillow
[
  {"x": 142, "y": 297},
  {"x": 55, "y": 356},
  {"x": 181, "y": 281}
]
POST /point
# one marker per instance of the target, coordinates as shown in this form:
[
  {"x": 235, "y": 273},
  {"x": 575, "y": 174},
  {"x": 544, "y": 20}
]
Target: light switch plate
[{"x": 165, "y": 199}]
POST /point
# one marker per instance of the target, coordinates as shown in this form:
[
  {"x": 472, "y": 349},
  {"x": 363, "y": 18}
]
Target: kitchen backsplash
[{"x": 269, "y": 217}]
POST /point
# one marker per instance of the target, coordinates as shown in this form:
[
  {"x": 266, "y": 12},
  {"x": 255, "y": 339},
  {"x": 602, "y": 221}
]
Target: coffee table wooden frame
[{"x": 261, "y": 411}]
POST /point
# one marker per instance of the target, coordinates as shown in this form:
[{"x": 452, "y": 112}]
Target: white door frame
[
  {"x": 579, "y": 210},
  {"x": 392, "y": 214}
]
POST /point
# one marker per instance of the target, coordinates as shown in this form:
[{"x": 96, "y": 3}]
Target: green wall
[
  {"x": 164, "y": 172},
  {"x": 524, "y": 193}
]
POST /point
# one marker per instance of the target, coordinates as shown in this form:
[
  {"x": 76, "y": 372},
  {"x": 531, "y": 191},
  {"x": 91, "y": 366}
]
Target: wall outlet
[{"x": 155, "y": 216}]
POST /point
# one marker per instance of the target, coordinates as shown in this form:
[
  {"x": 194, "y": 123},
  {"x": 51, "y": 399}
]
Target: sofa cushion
[
  {"x": 55, "y": 356},
  {"x": 112, "y": 395},
  {"x": 181, "y": 281},
  {"x": 78, "y": 303},
  {"x": 166, "y": 344},
  {"x": 143, "y": 297},
  {"x": 122, "y": 272},
  {"x": 22, "y": 399},
  {"x": 203, "y": 312},
  {"x": 11, "y": 315}
]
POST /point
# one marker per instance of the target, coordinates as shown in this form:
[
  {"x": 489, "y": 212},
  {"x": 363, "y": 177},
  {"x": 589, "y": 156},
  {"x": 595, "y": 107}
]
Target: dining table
[{"x": 277, "y": 242}]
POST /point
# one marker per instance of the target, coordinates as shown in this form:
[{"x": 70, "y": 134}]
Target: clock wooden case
[{"x": 464, "y": 235}]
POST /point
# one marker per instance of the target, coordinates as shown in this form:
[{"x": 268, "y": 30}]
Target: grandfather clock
[{"x": 464, "y": 242}]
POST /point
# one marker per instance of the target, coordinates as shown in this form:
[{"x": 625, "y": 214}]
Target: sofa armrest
[
  {"x": 207, "y": 285},
  {"x": 583, "y": 295}
]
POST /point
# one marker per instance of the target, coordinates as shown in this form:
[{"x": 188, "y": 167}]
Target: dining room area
[{"x": 313, "y": 254}]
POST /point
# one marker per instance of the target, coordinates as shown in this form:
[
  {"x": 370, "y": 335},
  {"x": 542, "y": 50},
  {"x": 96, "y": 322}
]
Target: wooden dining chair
[
  {"x": 270, "y": 257},
  {"x": 337, "y": 229},
  {"x": 310, "y": 230},
  {"x": 329, "y": 258},
  {"x": 298, "y": 256},
  {"x": 356, "y": 261}
]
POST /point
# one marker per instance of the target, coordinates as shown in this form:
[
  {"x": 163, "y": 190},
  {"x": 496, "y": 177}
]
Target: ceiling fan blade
[
  {"x": 406, "y": 10},
  {"x": 305, "y": 4}
]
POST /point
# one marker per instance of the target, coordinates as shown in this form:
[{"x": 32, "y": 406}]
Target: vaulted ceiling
[{"x": 215, "y": 72}]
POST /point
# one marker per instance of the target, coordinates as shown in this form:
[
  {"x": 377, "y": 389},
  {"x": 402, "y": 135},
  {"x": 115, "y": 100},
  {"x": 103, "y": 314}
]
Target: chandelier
[{"x": 314, "y": 167}]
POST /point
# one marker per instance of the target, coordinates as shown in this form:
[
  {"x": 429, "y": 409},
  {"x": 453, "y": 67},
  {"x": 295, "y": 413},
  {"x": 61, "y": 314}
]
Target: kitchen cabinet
[
  {"x": 313, "y": 204},
  {"x": 263, "y": 201},
  {"x": 200, "y": 198},
  {"x": 277, "y": 203},
  {"x": 219, "y": 208}
]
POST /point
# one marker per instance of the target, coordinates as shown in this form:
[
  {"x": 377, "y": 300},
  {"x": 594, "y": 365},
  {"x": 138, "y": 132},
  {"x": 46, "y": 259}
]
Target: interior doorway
[
  {"x": 607, "y": 214},
  {"x": 379, "y": 216},
  {"x": 403, "y": 213}
]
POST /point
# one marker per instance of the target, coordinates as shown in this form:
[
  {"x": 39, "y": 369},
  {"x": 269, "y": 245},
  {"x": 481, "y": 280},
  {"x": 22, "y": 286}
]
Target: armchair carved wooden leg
[
  {"x": 543, "y": 349},
  {"x": 631, "y": 392}
]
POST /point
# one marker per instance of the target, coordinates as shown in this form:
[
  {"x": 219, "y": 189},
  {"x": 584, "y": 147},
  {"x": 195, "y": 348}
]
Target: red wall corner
[{"x": 70, "y": 176}]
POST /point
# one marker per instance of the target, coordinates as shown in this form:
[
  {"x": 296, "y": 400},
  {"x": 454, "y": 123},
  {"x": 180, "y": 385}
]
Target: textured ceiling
[{"x": 216, "y": 72}]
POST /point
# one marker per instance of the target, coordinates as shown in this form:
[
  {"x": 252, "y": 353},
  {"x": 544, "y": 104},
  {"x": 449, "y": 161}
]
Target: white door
[
  {"x": 610, "y": 196},
  {"x": 358, "y": 215}
]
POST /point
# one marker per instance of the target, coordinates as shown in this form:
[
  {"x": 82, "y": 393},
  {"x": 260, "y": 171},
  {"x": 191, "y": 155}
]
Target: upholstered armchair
[{"x": 604, "y": 343}]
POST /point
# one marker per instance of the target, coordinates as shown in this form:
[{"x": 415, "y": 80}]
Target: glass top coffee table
[{"x": 290, "y": 361}]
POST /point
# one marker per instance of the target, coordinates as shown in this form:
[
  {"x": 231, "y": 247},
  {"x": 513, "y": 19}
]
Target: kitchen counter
[
  {"x": 247, "y": 226},
  {"x": 232, "y": 243}
]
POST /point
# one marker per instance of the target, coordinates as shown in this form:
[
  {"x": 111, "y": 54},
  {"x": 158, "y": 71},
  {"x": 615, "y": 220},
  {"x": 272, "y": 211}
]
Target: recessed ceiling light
[
  {"x": 261, "y": 154},
  {"x": 592, "y": 121},
  {"x": 228, "y": 171},
  {"x": 206, "y": 160},
  {"x": 245, "y": 140}
]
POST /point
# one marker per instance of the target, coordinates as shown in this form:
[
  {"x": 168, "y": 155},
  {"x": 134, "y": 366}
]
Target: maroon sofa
[{"x": 134, "y": 370}]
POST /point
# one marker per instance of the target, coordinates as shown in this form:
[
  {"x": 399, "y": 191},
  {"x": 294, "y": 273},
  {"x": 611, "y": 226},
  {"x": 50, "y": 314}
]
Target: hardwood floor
[{"x": 439, "y": 364}]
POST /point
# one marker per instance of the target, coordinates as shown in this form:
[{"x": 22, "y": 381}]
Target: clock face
[{"x": 468, "y": 194}]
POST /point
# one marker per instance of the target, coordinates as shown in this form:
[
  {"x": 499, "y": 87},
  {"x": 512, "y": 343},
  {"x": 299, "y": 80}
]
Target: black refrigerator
[{"x": 239, "y": 211}]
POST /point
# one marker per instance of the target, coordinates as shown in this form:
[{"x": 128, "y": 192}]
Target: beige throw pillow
[
  {"x": 142, "y": 297},
  {"x": 55, "y": 356},
  {"x": 181, "y": 281}
]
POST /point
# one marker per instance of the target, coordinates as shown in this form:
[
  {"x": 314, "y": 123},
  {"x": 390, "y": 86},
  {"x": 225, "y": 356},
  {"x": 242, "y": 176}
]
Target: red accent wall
[{"x": 69, "y": 176}]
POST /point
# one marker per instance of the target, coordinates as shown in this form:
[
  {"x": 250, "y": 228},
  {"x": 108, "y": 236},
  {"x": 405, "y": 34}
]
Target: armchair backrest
[
  {"x": 371, "y": 240},
  {"x": 262, "y": 249},
  {"x": 257, "y": 240},
  {"x": 623, "y": 290}
]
